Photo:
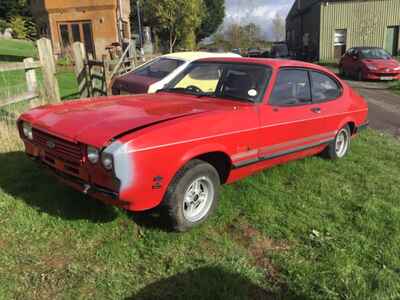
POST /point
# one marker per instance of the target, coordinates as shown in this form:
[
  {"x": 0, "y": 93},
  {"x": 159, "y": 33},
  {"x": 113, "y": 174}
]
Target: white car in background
[{"x": 155, "y": 74}]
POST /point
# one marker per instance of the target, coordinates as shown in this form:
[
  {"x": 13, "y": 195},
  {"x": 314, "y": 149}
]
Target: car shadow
[
  {"x": 208, "y": 283},
  {"x": 151, "y": 219},
  {"x": 25, "y": 181}
]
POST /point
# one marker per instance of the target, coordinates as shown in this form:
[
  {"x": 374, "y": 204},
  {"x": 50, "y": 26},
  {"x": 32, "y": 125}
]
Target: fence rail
[{"x": 46, "y": 64}]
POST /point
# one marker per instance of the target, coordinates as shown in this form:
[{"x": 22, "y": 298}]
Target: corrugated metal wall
[{"x": 366, "y": 23}]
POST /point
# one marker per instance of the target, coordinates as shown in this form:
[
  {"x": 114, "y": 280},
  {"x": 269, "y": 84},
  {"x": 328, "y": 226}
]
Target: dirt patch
[
  {"x": 56, "y": 262},
  {"x": 3, "y": 244},
  {"x": 258, "y": 246}
]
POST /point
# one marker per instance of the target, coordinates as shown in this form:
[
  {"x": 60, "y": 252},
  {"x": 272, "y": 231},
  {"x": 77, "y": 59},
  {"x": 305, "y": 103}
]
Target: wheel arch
[{"x": 216, "y": 156}]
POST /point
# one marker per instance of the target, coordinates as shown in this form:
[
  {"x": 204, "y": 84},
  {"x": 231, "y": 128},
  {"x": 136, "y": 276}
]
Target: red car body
[
  {"x": 354, "y": 64},
  {"x": 153, "y": 136}
]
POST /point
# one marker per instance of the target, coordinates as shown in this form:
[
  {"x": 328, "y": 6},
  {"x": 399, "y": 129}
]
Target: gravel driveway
[{"x": 384, "y": 105}]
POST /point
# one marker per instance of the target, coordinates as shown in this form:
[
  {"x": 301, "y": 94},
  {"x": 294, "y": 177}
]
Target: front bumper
[
  {"x": 383, "y": 76},
  {"x": 76, "y": 177}
]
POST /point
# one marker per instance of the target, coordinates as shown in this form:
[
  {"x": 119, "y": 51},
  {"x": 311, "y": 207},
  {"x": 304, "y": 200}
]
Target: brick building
[{"x": 96, "y": 23}]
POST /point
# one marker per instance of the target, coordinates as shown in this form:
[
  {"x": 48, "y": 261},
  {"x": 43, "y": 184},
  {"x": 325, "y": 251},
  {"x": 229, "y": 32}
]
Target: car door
[
  {"x": 328, "y": 99},
  {"x": 290, "y": 121}
]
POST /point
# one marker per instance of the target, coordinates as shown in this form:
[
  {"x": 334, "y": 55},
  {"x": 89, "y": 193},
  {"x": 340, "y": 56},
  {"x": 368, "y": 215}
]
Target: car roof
[
  {"x": 366, "y": 48},
  {"x": 275, "y": 63},
  {"x": 195, "y": 55}
]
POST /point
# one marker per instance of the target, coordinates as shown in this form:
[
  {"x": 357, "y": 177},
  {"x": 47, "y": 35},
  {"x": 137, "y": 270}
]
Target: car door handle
[{"x": 316, "y": 110}]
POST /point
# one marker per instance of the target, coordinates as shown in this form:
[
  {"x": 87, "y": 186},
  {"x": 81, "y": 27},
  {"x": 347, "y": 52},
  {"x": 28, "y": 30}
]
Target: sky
[{"x": 261, "y": 12}]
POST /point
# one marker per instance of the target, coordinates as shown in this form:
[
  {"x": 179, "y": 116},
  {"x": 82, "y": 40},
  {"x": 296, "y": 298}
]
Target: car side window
[
  {"x": 245, "y": 82},
  {"x": 292, "y": 87},
  {"x": 324, "y": 88}
]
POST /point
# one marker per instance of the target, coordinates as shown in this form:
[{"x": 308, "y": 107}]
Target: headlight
[
  {"x": 107, "y": 161},
  {"x": 372, "y": 68},
  {"x": 93, "y": 154},
  {"x": 397, "y": 68},
  {"x": 27, "y": 130}
]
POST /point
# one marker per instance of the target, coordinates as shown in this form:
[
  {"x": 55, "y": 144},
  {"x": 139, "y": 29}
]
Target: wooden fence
[
  {"x": 95, "y": 76},
  {"x": 47, "y": 64}
]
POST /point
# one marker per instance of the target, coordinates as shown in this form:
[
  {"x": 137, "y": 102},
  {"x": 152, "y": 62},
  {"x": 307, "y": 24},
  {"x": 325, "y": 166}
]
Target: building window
[
  {"x": 125, "y": 30},
  {"x": 71, "y": 32},
  {"x": 340, "y": 43}
]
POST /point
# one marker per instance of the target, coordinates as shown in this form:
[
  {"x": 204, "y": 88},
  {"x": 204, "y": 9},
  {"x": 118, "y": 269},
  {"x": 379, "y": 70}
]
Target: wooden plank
[
  {"x": 30, "y": 75},
  {"x": 95, "y": 63},
  {"x": 80, "y": 69},
  {"x": 18, "y": 98},
  {"x": 19, "y": 66}
]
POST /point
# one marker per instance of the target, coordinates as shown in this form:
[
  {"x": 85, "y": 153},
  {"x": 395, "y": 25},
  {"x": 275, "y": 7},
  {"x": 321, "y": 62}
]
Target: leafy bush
[
  {"x": 23, "y": 28},
  {"x": 18, "y": 25},
  {"x": 3, "y": 25}
]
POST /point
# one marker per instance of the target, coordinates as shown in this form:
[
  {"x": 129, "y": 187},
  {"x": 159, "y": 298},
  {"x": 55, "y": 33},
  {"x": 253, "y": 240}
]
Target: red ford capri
[{"x": 217, "y": 122}]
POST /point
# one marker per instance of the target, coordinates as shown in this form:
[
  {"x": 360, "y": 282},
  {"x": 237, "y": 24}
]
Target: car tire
[
  {"x": 342, "y": 72},
  {"x": 340, "y": 146},
  {"x": 192, "y": 195},
  {"x": 360, "y": 76}
]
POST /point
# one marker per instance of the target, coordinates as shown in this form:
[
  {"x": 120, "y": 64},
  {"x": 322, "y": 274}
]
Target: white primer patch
[{"x": 123, "y": 165}]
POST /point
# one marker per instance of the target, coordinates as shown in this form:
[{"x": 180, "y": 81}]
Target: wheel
[
  {"x": 342, "y": 72},
  {"x": 192, "y": 196},
  {"x": 340, "y": 146},
  {"x": 360, "y": 76}
]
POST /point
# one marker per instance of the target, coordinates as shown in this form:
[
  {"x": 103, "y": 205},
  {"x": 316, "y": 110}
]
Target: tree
[
  {"x": 176, "y": 21},
  {"x": 278, "y": 27},
  {"x": 251, "y": 34},
  {"x": 10, "y": 8},
  {"x": 214, "y": 15},
  {"x": 234, "y": 35},
  {"x": 243, "y": 36}
]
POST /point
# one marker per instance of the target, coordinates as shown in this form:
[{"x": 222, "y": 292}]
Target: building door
[
  {"x": 392, "y": 40},
  {"x": 71, "y": 32},
  {"x": 340, "y": 43}
]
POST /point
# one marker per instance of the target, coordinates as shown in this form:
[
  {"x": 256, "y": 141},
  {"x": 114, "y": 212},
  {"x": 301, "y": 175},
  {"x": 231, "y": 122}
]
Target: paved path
[{"x": 384, "y": 106}]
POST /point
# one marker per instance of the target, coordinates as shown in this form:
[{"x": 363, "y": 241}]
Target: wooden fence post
[
  {"x": 107, "y": 77},
  {"x": 79, "y": 53},
  {"x": 31, "y": 80},
  {"x": 52, "y": 90}
]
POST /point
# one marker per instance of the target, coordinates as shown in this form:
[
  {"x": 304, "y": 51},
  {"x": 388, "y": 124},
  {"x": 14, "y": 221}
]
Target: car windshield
[
  {"x": 375, "y": 54},
  {"x": 159, "y": 68},
  {"x": 235, "y": 81}
]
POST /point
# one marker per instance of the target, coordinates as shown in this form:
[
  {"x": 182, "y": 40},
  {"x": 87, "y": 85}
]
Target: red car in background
[
  {"x": 217, "y": 122},
  {"x": 368, "y": 63}
]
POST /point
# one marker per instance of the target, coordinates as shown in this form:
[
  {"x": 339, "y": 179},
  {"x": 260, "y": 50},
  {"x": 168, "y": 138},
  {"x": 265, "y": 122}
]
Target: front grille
[{"x": 59, "y": 148}]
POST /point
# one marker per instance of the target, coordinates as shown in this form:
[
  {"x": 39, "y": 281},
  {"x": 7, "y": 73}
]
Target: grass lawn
[
  {"x": 309, "y": 229},
  {"x": 395, "y": 86},
  {"x": 16, "y": 50},
  {"x": 14, "y": 82}
]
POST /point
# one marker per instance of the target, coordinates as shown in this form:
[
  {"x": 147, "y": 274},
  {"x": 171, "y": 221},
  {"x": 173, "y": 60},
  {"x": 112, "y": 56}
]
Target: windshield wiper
[
  {"x": 171, "y": 90},
  {"x": 186, "y": 91}
]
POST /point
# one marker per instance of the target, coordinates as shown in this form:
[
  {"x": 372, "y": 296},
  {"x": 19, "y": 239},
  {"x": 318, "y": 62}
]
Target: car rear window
[
  {"x": 159, "y": 68},
  {"x": 324, "y": 88}
]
